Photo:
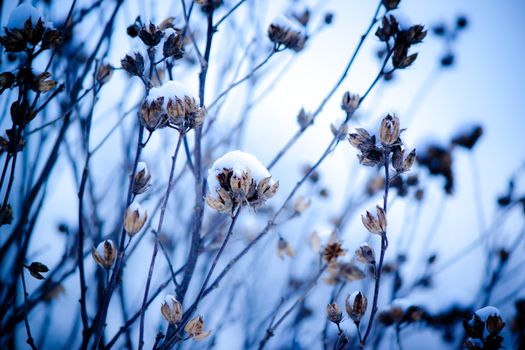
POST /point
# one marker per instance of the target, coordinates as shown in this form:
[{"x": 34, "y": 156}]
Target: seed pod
[
  {"x": 134, "y": 219},
  {"x": 171, "y": 309},
  {"x": 365, "y": 254},
  {"x": 390, "y": 130},
  {"x": 105, "y": 254},
  {"x": 375, "y": 224},
  {"x": 350, "y": 102},
  {"x": 334, "y": 314},
  {"x": 356, "y": 304},
  {"x": 194, "y": 328},
  {"x": 141, "y": 182}
]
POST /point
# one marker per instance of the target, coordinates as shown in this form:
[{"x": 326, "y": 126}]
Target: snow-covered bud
[
  {"x": 141, "y": 182},
  {"x": 238, "y": 178},
  {"x": 105, "y": 254},
  {"x": 134, "y": 219},
  {"x": 334, "y": 314},
  {"x": 350, "y": 102},
  {"x": 375, "y": 224},
  {"x": 390, "y": 130},
  {"x": 284, "y": 32},
  {"x": 356, "y": 304},
  {"x": 194, "y": 328},
  {"x": 365, "y": 254},
  {"x": 171, "y": 309}
]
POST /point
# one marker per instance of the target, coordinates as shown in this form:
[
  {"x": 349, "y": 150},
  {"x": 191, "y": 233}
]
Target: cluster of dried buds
[
  {"x": 283, "y": 31},
  {"x": 33, "y": 32},
  {"x": 238, "y": 179},
  {"x": 171, "y": 105},
  {"x": 390, "y": 31},
  {"x": 483, "y": 329},
  {"x": 377, "y": 153},
  {"x": 105, "y": 254},
  {"x": 171, "y": 309}
]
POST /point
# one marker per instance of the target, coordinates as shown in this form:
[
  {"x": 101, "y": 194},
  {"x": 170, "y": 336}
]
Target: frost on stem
[
  {"x": 237, "y": 179},
  {"x": 284, "y": 32},
  {"x": 172, "y": 104}
]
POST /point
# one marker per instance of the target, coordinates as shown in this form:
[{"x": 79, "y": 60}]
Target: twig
[{"x": 29, "y": 340}]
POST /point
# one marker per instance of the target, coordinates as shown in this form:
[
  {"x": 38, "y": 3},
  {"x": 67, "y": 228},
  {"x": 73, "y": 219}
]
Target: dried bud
[
  {"x": 388, "y": 28},
  {"x": 7, "y": 79},
  {"x": 104, "y": 73},
  {"x": 391, "y": 4},
  {"x": 389, "y": 130},
  {"x": 375, "y": 224},
  {"x": 167, "y": 23},
  {"x": 133, "y": 65},
  {"x": 494, "y": 324},
  {"x": 356, "y": 304},
  {"x": 174, "y": 46},
  {"x": 133, "y": 30},
  {"x": 194, "y": 328},
  {"x": 301, "y": 204},
  {"x": 328, "y": 18},
  {"x": 134, "y": 219},
  {"x": 171, "y": 309},
  {"x": 350, "y": 103},
  {"x": 284, "y": 32},
  {"x": 332, "y": 251},
  {"x": 150, "y": 35},
  {"x": 468, "y": 138},
  {"x": 105, "y": 254},
  {"x": 415, "y": 34},
  {"x": 209, "y": 5},
  {"x": 43, "y": 84},
  {"x": 365, "y": 254},
  {"x": 334, "y": 314},
  {"x": 152, "y": 115},
  {"x": 304, "y": 118},
  {"x": 52, "y": 39},
  {"x": 284, "y": 248},
  {"x": 141, "y": 182},
  {"x": 36, "y": 268},
  {"x": 361, "y": 139},
  {"x": 409, "y": 161}
]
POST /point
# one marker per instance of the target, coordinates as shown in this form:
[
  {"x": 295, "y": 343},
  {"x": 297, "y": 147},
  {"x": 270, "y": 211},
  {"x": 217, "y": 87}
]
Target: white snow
[
  {"x": 170, "y": 299},
  {"x": 239, "y": 162},
  {"x": 286, "y": 23},
  {"x": 135, "y": 206},
  {"x": 487, "y": 311},
  {"x": 351, "y": 298},
  {"x": 100, "y": 247},
  {"x": 21, "y": 14},
  {"x": 170, "y": 90}
]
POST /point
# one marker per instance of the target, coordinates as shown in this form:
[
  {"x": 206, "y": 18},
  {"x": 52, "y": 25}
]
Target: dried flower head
[
  {"x": 194, "y": 328},
  {"x": 174, "y": 44},
  {"x": 375, "y": 224},
  {"x": 334, "y": 314},
  {"x": 133, "y": 64},
  {"x": 350, "y": 102},
  {"x": 142, "y": 179},
  {"x": 356, "y": 304},
  {"x": 365, "y": 254},
  {"x": 171, "y": 104},
  {"x": 390, "y": 130},
  {"x": 36, "y": 269},
  {"x": 284, "y": 32},
  {"x": 104, "y": 73},
  {"x": 150, "y": 34},
  {"x": 237, "y": 179},
  {"x": 400, "y": 163},
  {"x": 284, "y": 248},
  {"x": 171, "y": 309},
  {"x": 105, "y": 254},
  {"x": 332, "y": 251},
  {"x": 304, "y": 119},
  {"x": 135, "y": 218}
]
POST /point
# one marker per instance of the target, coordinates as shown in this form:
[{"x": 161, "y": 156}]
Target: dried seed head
[
  {"x": 389, "y": 130},
  {"x": 334, "y": 314},
  {"x": 150, "y": 35},
  {"x": 391, "y": 4},
  {"x": 284, "y": 248},
  {"x": 194, "y": 328},
  {"x": 356, "y": 304},
  {"x": 304, "y": 118},
  {"x": 36, "y": 268},
  {"x": 104, "y": 73},
  {"x": 284, "y": 32},
  {"x": 174, "y": 46},
  {"x": 171, "y": 309},
  {"x": 375, "y": 224},
  {"x": 350, "y": 103},
  {"x": 301, "y": 204},
  {"x": 365, "y": 254},
  {"x": 388, "y": 28},
  {"x": 135, "y": 218},
  {"x": 409, "y": 161},
  {"x": 332, "y": 251},
  {"x": 494, "y": 324},
  {"x": 105, "y": 254},
  {"x": 141, "y": 182},
  {"x": 133, "y": 64}
]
